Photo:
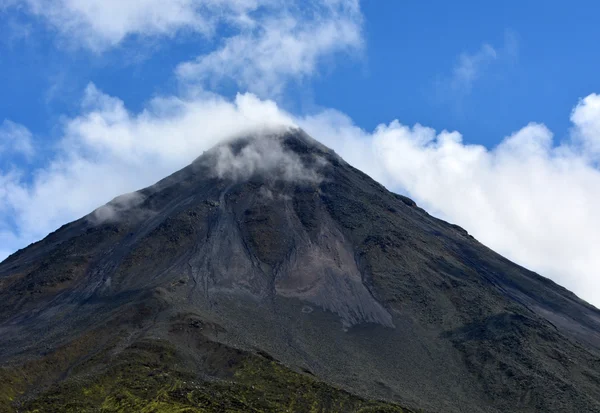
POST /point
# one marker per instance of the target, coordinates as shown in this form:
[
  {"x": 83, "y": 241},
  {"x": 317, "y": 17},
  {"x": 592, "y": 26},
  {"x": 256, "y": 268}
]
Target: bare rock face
[{"x": 270, "y": 258}]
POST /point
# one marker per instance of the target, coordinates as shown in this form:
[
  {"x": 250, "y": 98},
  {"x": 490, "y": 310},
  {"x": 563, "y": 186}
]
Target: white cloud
[
  {"x": 267, "y": 157},
  {"x": 529, "y": 199},
  {"x": 470, "y": 67},
  {"x": 586, "y": 117},
  {"x": 15, "y": 139},
  {"x": 270, "y": 42},
  {"x": 110, "y": 212},
  {"x": 99, "y": 24},
  {"x": 279, "y": 47},
  {"x": 13, "y": 33},
  {"x": 534, "y": 202},
  {"x": 264, "y": 40},
  {"x": 108, "y": 151},
  {"x": 260, "y": 44}
]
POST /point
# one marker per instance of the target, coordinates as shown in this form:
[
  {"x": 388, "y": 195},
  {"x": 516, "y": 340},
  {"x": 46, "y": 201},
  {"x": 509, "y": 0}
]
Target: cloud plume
[{"x": 265, "y": 155}]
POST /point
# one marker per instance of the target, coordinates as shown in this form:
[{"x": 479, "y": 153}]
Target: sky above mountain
[{"x": 486, "y": 115}]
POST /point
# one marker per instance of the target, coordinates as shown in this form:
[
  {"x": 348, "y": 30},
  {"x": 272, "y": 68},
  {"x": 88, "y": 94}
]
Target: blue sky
[
  {"x": 98, "y": 98},
  {"x": 413, "y": 45},
  {"x": 409, "y": 50}
]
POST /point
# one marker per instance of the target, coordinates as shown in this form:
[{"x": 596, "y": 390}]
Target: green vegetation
[{"x": 145, "y": 378}]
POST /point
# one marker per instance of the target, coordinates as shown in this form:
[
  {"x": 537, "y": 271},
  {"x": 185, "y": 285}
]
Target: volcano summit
[{"x": 271, "y": 276}]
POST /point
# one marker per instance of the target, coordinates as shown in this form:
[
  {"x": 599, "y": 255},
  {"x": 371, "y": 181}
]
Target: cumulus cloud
[
  {"x": 529, "y": 198},
  {"x": 174, "y": 127},
  {"x": 15, "y": 139},
  {"x": 586, "y": 118}
]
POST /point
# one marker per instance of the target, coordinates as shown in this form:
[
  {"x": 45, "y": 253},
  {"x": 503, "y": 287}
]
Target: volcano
[{"x": 271, "y": 276}]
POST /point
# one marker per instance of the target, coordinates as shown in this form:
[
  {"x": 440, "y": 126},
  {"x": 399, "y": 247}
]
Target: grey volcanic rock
[{"x": 295, "y": 254}]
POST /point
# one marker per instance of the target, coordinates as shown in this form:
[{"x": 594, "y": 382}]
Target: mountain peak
[
  {"x": 270, "y": 244},
  {"x": 289, "y": 154}
]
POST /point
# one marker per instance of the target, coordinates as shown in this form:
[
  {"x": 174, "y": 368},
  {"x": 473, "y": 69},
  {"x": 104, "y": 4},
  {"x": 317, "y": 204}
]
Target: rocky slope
[{"x": 270, "y": 275}]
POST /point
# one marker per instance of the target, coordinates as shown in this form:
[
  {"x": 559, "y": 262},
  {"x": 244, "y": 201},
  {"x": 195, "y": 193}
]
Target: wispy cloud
[
  {"x": 15, "y": 139},
  {"x": 14, "y": 32},
  {"x": 279, "y": 47},
  {"x": 101, "y": 24},
  {"x": 471, "y": 67},
  {"x": 258, "y": 45}
]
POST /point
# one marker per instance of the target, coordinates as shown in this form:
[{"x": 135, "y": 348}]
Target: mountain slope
[{"x": 270, "y": 262}]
